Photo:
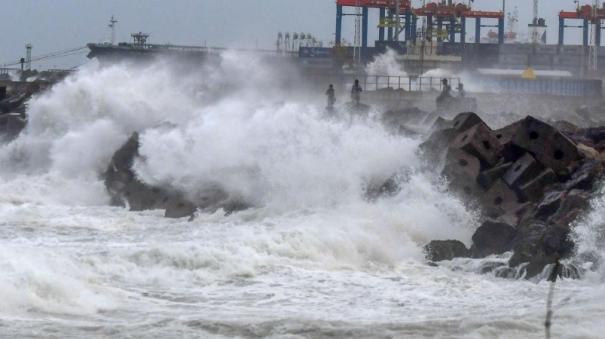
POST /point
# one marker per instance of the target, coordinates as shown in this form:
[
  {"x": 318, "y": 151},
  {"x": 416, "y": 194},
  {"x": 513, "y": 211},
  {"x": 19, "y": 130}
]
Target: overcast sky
[{"x": 53, "y": 25}]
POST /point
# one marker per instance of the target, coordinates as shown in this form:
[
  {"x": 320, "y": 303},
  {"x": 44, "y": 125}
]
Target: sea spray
[{"x": 386, "y": 64}]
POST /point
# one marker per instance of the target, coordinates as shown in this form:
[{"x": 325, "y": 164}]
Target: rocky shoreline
[{"x": 531, "y": 181}]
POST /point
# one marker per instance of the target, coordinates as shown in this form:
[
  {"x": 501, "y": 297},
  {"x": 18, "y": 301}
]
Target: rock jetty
[{"x": 531, "y": 180}]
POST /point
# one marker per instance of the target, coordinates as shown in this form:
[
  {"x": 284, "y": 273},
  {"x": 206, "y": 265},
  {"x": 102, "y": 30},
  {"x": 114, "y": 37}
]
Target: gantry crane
[
  {"x": 589, "y": 14},
  {"x": 391, "y": 12}
]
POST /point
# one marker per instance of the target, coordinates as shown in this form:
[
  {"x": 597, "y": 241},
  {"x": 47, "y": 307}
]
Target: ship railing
[
  {"x": 60, "y": 71},
  {"x": 182, "y": 48},
  {"x": 7, "y": 71}
]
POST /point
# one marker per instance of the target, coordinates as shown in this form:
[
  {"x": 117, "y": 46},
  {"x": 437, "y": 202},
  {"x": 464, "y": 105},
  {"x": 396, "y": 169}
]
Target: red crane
[
  {"x": 456, "y": 10},
  {"x": 583, "y": 12}
]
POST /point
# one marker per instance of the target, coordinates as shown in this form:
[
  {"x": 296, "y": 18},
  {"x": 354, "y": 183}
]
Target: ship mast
[{"x": 112, "y": 27}]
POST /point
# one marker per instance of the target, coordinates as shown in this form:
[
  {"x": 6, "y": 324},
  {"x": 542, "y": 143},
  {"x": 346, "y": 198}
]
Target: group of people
[
  {"x": 355, "y": 94},
  {"x": 357, "y": 89},
  {"x": 446, "y": 90}
]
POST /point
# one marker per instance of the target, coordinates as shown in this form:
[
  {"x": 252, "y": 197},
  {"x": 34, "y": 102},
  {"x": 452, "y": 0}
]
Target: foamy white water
[{"x": 313, "y": 258}]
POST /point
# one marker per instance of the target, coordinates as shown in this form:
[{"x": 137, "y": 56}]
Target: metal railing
[
  {"x": 388, "y": 82},
  {"x": 406, "y": 83},
  {"x": 6, "y": 71}
]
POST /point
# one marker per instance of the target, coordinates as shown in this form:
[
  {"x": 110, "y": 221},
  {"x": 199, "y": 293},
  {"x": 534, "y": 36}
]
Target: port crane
[
  {"x": 399, "y": 16},
  {"x": 589, "y": 15}
]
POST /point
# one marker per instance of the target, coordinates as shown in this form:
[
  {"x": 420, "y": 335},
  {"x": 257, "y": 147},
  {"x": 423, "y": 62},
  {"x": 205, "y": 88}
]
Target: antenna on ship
[
  {"x": 112, "y": 27},
  {"x": 140, "y": 38},
  {"x": 28, "y": 57}
]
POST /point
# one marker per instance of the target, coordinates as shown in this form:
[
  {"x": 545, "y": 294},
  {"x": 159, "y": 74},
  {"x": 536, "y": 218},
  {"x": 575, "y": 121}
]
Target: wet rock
[
  {"x": 516, "y": 214},
  {"x": 510, "y": 151},
  {"x": 539, "y": 244},
  {"x": 376, "y": 189},
  {"x": 437, "y": 143},
  {"x": 488, "y": 177},
  {"x": 466, "y": 120},
  {"x": 596, "y": 134},
  {"x": 523, "y": 170},
  {"x": 439, "y": 250},
  {"x": 125, "y": 189},
  {"x": 533, "y": 190},
  {"x": 566, "y": 127},
  {"x": 573, "y": 205},
  {"x": 549, "y": 146},
  {"x": 480, "y": 142},
  {"x": 462, "y": 169},
  {"x": 11, "y": 125},
  {"x": 505, "y": 134},
  {"x": 499, "y": 199},
  {"x": 492, "y": 237},
  {"x": 440, "y": 124},
  {"x": 444, "y": 132},
  {"x": 179, "y": 207},
  {"x": 589, "y": 152},
  {"x": 549, "y": 205},
  {"x": 397, "y": 120},
  {"x": 585, "y": 176}
]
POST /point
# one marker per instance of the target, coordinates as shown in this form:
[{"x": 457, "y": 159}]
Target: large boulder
[
  {"x": 126, "y": 189},
  {"x": 400, "y": 121},
  {"x": 539, "y": 244},
  {"x": 439, "y": 250},
  {"x": 493, "y": 237}
]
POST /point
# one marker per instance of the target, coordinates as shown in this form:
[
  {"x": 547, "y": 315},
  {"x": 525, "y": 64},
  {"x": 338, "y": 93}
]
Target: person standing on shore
[
  {"x": 356, "y": 92},
  {"x": 331, "y": 96}
]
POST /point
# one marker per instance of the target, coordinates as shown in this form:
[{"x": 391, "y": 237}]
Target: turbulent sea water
[{"x": 312, "y": 259}]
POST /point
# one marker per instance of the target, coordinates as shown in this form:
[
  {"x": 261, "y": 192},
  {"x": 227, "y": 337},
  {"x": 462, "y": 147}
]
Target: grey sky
[{"x": 52, "y": 25}]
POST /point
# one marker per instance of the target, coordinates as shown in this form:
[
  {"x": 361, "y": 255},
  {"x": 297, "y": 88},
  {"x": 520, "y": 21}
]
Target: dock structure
[
  {"x": 589, "y": 15},
  {"x": 437, "y": 35}
]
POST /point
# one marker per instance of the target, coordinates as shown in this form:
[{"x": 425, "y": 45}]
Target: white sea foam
[{"x": 386, "y": 64}]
